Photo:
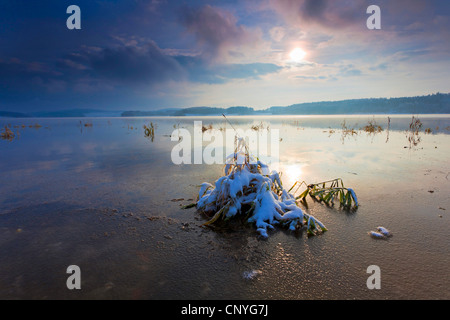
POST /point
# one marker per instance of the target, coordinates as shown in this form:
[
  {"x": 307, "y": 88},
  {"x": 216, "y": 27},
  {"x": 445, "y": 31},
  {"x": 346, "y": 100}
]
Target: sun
[{"x": 297, "y": 55}]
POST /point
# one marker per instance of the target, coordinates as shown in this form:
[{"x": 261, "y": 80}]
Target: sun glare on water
[
  {"x": 293, "y": 173},
  {"x": 297, "y": 55}
]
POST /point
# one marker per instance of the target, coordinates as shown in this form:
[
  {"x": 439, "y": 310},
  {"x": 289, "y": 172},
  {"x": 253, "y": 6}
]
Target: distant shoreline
[{"x": 434, "y": 104}]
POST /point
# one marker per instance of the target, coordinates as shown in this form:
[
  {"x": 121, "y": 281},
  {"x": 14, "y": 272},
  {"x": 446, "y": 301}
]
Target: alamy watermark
[
  {"x": 73, "y": 281},
  {"x": 190, "y": 148},
  {"x": 74, "y": 20},
  {"x": 374, "y": 280},
  {"x": 374, "y": 21}
]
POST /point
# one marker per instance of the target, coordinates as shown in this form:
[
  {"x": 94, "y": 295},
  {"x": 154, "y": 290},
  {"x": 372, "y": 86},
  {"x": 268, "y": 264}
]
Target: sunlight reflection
[{"x": 292, "y": 173}]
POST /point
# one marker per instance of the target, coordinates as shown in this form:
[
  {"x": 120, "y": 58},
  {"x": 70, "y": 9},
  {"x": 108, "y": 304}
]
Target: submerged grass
[
  {"x": 372, "y": 127},
  {"x": 260, "y": 126},
  {"x": 207, "y": 128},
  {"x": 149, "y": 131},
  {"x": 347, "y": 131},
  {"x": 7, "y": 134},
  {"x": 413, "y": 133}
]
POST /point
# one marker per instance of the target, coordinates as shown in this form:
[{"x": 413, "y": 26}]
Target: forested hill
[{"x": 432, "y": 104}]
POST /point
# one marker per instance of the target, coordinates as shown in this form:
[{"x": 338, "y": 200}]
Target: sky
[{"x": 155, "y": 54}]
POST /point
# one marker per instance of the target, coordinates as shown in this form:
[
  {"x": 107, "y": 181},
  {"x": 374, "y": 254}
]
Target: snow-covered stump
[{"x": 248, "y": 189}]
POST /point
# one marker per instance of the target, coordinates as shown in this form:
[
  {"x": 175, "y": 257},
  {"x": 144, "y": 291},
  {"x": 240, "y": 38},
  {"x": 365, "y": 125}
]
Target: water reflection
[{"x": 292, "y": 173}]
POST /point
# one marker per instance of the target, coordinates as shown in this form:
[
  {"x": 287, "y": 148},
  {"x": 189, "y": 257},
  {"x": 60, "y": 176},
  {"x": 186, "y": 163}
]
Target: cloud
[
  {"x": 154, "y": 5},
  {"x": 405, "y": 55},
  {"x": 71, "y": 64},
  {"x": 201, "y": 72},
  {"x": 127, "y": 65},
  {"x": 314, "y": 9},
  {"x": 217, "y": 32},
  {"x": 250, "y": 70},
  {"x": 311, "y": 77},
  {"x": 349, "y": 71},
  {"x": 110, "y": 75},
  {"x": 277, "y": 33},
  {"x": 381, "y": 66},
  {"x": 329, "y": 14},
  {"x": 17, "y": 75},
  {"x": 10, "y": 67},
  {"x": 145, "y": 64}
]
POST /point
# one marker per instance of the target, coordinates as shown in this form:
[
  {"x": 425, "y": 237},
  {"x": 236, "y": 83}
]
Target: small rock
[
  {"x": 185, "y": 226},
  {"x": 250, "y": 275},
  {"x": 384, "y": 231},
  {"x": 109, "y": 285},
  {"x": 376, "y": 235}
]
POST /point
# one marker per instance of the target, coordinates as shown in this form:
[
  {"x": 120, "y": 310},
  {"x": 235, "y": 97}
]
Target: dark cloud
[
  {"x": 119, "y": 65},
  {"x": 124, "y": 70},
  {"x": 350, "y": 15},
  {"x": 314, "y": 8},
  {"x": 216, "y": 30},
  {"x": 131, "y": 64},
  {"x": 148, "y": 64},
  {"x": 212, "y": 26},
  {"x": 202, "y": 72},
  {"x": 114, "y": 76},
  {"x": 17, "y": 75},
  {"x": 325, "y": 13}
]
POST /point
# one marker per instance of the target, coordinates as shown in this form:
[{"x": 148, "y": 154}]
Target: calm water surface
[{"x": 108, "y": 199}]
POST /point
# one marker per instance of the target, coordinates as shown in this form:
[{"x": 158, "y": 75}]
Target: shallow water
[{"x": 108, "y": 199}]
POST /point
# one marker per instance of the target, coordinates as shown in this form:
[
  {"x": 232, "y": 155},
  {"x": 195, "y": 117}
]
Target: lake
[{"x": 99, "y": 194}]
